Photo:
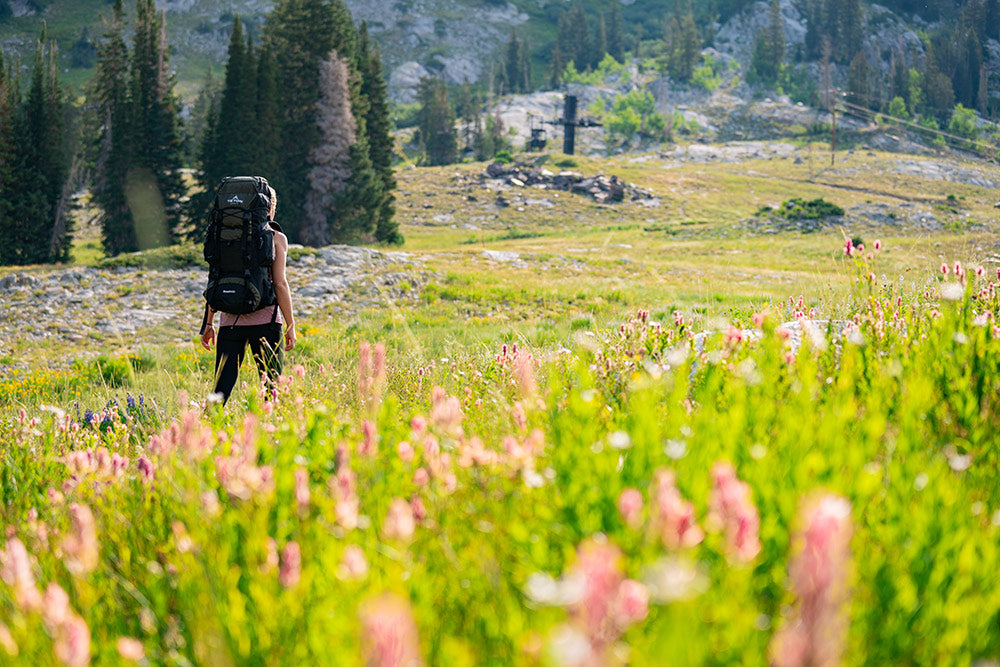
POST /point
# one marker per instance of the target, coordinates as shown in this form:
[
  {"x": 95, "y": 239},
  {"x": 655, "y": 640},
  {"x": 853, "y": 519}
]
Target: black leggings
[{"x": 265, "y": 345}]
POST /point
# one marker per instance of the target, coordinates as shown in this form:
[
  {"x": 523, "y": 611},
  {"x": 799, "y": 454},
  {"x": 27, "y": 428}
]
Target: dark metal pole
[{"x": 569, "y": 125}]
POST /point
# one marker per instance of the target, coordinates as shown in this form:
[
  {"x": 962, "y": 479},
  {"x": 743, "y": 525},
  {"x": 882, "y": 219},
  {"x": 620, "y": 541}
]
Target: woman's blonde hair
[{"x": 274, "y": 203}]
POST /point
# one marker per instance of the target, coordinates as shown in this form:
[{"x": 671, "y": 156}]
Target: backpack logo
[{"x": 235, "y": 200}]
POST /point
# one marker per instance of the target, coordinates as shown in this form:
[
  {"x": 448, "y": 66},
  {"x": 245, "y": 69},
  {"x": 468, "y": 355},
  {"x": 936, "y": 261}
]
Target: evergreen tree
[
  {"x": 227, "y": 153},
  {"x": 850, "y": 35},
  {"x": 381, "y": 144},
  {"x": 330, "y": 158},
  {"x": 513, "y": 66},
  {"x": 600, "y": 42},
  {"x": 302, "y": 34},
  {"x": 579, "y": 38},
  {"x": 616, "y": 40},
  {"x": 201, "y": 113},
  {"x": 769, "y": 47},
  {"x": 683, "y": 46},
  {"x": 562, "y": 51},
  {"x": 436, "y": 123},
  {"x": 9, "y": 99},
  {"x": 36, "y": 230},
  {"x": 267, "y": 147},
  {"x": 991, "y": 24},
  {"x": 859, "y": 80},
  {"x": 527, "y": 76},
  {"x": 116, "y": 141},
  {"x": 815, "y": 29},
  {"x": 158, "y": 135}
]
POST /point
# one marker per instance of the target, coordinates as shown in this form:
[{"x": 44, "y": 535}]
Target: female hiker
[{"x": 260, "y": 328}]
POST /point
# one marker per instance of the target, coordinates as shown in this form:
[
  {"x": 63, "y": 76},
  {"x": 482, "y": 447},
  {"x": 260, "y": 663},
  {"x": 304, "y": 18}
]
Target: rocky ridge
[{"x": 155, "y": 306}]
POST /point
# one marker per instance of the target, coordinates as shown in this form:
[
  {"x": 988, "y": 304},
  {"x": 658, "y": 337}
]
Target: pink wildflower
[
  {"x": 405, "y": 450},
  {"x": 130, "y": 648},
  {"x": 369, "y": 446},
  {"x": 418, "y": 424},
  {"x": 673, "y": 517},
  {"x": 525, "y": 371},
  {"x": 421, "y": 476},
  {"x": 353, "y": 565},
  {"x": 399, "y": 522},
  {"x": 599, "y": 565},
  {"x": 848, "y": 247},
  {"x": 55, "y": 607},
  {"x": 146, "y": 469},
  {"x": 81, "y": 546},
  {"x": 271, "y": 556},
  {"x": 630, "y": 507},
  {"x": 72, "y": 645},
  {"x": 631, "y": 603},
  {"x": 302, "y": 489},
  {"x": 15, "y": 570},
  {"x": 878, "y": 245},
  {"x": 299, "y": 370},
  {"x": 944, "y": 269},
  {"x": 419, "y": 510},
  {"x": 815, "y": 633},
  {"x": 389, "y": 633},
  {"x": 290, "y": 570},
  {"x": 732, "y": 509}
]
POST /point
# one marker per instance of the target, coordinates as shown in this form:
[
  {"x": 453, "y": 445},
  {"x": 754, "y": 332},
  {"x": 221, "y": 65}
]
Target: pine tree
[
  {"x": 815, "y": 28},
  {"x": 850, "y": 36},
  {"x": 513, "y": 74},
  {"x": 38, "y": 169},
  {"x": 226, "y": 154},
  {"x": 158, "y": 134},
  {"x": 436, "y": 123},
  {"x": 381, "y": 143},
  {"x": 267, "y": 147},
  {"x": 600, "y": 42},
  {"x": 859, "y": 80},
  {"x": 330, "y": 158},
  {"x": 116, "y": 142},
  {"x": 527, "y": 76},
  {"x": 616, "y": 40},
  {"x": 201, "y": 110},
  {"x": 562, "y": 50},
  {"x": 579, "y": 38},
  {"x": 991, "y": 24},
  {"x": 302, "y": 34},
  {"x": 769, "y": 46}
]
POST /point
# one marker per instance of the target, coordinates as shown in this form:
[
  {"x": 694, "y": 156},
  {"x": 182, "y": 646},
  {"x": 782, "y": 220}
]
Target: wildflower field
[{"x": 803, "y": 481}]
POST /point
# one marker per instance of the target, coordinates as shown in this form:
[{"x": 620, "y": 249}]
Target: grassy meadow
[{"x": 538, "y": 459}]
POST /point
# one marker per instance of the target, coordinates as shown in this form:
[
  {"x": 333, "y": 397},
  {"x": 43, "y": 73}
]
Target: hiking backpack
[{"x": 239, "y": 248}]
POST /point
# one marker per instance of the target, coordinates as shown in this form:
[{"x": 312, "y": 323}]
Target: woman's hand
[
  {"x": 208, "y": 337},
  {"x": 289, "y": 338}
]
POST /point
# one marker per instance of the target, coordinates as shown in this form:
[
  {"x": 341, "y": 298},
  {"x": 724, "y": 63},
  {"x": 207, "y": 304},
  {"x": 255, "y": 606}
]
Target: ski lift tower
[{"x": 570, "y": 122}]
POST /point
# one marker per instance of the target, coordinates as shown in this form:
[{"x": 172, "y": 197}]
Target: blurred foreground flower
[
  {"x": 389, "y": 633},
  {"x": 673, "y": 517},
  {"x": 81, "y": 546},
  {"x": 814, "y": 635},
  {"x": 602, "y": 603},
  {"x": 732, "y": 510},
  {"x": 15, "y": 570}
]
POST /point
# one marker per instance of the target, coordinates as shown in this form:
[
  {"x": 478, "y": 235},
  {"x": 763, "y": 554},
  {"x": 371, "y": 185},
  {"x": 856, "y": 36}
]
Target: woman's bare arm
[{"x": 281, "y": 290}]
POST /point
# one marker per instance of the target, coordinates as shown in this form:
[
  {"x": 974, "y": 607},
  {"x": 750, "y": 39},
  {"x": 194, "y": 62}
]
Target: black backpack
[{"x": 239, "y": 247}]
